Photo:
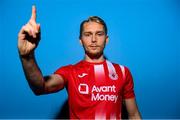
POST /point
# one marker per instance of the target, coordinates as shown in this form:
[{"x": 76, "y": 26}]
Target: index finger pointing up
[{"x": 33, "y": 16}]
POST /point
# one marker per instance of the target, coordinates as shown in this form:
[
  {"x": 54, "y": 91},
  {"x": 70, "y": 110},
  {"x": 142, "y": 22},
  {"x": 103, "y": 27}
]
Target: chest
[{"x": 96, "y": 80}]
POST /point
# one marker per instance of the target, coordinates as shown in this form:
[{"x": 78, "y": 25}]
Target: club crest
[{"x": 113, "y": 76}]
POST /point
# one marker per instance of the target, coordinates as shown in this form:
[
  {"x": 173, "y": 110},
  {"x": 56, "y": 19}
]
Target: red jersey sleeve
[
  {"x": 129, "y": 85},
  {"x": 64, "y": 72}
]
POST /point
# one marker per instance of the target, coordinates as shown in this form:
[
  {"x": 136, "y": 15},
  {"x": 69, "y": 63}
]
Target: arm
[
  {"x": 132, "y": 109},
  {"x": 38, "y": 83},
  {"x": 28, "y": 39}
]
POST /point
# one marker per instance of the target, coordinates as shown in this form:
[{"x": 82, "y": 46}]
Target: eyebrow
[
  {"x": 95, "y": 32},
  {"x": 100, "y": 32}
]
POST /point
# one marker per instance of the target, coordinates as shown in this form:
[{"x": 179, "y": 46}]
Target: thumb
[{"x": 38, "y": 27}]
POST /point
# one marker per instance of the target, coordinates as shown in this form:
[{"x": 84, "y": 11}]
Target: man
[{"x": 96, "y": 87}]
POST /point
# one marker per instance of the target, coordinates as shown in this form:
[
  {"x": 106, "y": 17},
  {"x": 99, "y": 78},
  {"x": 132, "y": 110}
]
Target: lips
[{"x": 93, "y": 46}]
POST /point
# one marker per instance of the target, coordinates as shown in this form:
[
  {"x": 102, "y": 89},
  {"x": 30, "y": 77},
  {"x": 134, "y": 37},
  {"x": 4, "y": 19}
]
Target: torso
[{"x": 95, "y": 90}]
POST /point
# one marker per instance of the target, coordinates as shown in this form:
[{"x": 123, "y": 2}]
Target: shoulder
[
  {"x": 70, "y": 67},
  {"x": 122, "y": 67},
  {"x": 63, "y": 69},
  {"x": 116, "y": 64}
]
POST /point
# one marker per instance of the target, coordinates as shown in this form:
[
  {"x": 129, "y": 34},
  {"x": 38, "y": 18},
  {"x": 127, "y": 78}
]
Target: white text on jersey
[{"x": 96, "y": 96}]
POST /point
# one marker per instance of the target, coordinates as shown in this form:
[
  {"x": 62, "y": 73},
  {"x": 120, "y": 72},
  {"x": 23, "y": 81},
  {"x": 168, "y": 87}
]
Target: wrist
[{"x": 27, "y": 56}]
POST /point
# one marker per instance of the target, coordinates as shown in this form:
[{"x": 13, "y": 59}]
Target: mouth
[{"x": 93, "y": 47}]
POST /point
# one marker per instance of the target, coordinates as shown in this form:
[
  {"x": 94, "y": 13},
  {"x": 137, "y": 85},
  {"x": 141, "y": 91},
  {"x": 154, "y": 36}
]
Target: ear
[
  {"x": 107, "y": 39},
  {"x": 80, "y": 41}
]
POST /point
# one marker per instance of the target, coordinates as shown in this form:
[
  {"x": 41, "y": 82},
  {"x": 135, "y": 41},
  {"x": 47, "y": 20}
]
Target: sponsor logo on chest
[{"x": 99, "y": 93}]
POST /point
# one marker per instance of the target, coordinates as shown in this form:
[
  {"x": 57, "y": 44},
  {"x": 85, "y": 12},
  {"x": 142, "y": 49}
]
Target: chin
[{"x": 94, "y": 54}]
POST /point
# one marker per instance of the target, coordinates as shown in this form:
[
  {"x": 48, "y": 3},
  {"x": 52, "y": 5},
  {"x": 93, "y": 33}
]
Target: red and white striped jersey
[{"x": 96, "y": 90}]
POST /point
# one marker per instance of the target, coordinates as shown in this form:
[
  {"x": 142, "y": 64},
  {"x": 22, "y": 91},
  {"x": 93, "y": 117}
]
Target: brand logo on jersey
[
  {"x": 99, "y": 93},
  {"x": 83, "y": 89},
  {"x": 113, "y": 76},
  {"x": 82, "y": 75}
]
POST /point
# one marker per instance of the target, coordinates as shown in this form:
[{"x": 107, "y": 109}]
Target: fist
[{"x": 29, "y": 35}]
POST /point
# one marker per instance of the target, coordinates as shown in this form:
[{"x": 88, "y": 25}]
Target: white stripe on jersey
[
  {"x": 123, "y": 71},
  {"x": 113, "y": 116},
  {"x": 100, "y": 116},
  {"x": 111, "y": 68},
  {"x": 112, "y": 71},
  {"x": 99, "y": 72}
]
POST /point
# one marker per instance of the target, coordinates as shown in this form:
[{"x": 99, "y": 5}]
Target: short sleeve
[
  {"x": 129, "y": 85},
  {"x": 64, "y": 72}
]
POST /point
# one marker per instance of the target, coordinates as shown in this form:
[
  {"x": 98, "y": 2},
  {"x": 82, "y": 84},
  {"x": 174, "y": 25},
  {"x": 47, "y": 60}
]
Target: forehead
[{"x": 93, "y": 26}]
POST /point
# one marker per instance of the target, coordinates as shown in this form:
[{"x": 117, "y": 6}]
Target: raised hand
[{"x": 29, "y": 35}]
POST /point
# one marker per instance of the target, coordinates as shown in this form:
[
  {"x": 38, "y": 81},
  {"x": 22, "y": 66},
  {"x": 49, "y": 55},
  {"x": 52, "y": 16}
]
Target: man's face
[{"x": 93, "y": 39}]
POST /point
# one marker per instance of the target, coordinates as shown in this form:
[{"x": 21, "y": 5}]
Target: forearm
[
  {"x": 132, "y": 109},
  {"x": 33, "y": 73},
  {"x": 135, "y": 116}
]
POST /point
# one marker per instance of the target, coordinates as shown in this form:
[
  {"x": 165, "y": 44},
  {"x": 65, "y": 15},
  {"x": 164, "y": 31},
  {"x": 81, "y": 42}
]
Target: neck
[{"x": 94, "y": 60}]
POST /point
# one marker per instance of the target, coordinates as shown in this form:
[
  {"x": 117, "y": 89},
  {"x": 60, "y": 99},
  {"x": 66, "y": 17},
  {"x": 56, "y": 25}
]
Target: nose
[{"x": 93, "y": 38}]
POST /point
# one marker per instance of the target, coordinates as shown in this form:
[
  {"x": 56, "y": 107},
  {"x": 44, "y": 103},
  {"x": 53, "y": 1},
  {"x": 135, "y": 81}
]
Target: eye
[
  {"x": 87, "y": 34},
  {"x": 100, "y": 33}
]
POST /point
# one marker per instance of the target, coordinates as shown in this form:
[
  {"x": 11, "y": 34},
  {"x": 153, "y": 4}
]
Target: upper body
[
  {"x": 96, "y": 90},
  {"x": 93, "y": 38}
]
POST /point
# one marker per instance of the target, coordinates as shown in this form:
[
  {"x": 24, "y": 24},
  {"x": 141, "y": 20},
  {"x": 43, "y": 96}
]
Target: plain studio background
[{"x": 144, "y": 36}]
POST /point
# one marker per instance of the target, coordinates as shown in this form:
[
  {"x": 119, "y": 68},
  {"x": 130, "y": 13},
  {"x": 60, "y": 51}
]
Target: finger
[
  {"x": 21, "y": 31},
  {"x": 29, "y": 28},
  {"x": 34, "y": 25},
  {"x": 33, "y": 15},
  {"x": 24, "y": 30},
  {"x": 38, "y": 27},
  {"x": 21, "y": 36},
  {"x": 33, "y": 31}
]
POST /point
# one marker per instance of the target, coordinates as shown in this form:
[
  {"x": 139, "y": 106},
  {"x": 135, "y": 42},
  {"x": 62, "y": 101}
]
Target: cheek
[
  {"x": 102, "y": 42},
  {"x": 85, "y": 43}
]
